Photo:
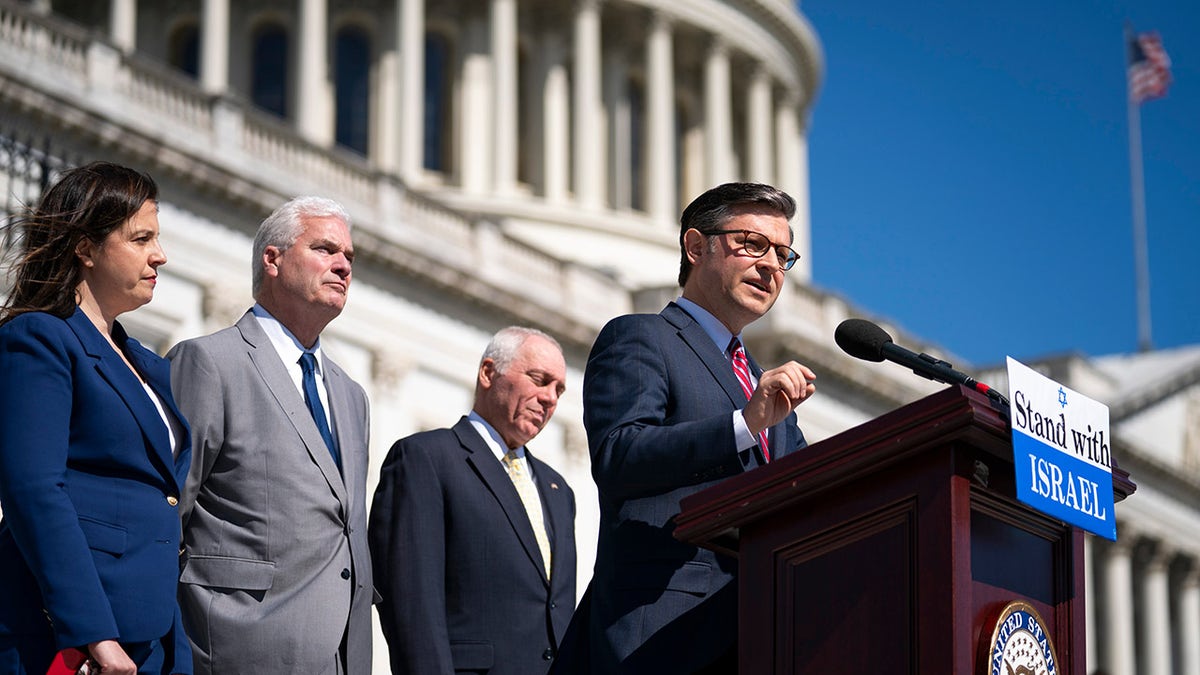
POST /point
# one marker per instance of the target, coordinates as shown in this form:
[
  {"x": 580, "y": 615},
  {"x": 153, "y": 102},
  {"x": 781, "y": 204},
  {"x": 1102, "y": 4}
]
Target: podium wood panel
[{"x": 892, "y": 547}]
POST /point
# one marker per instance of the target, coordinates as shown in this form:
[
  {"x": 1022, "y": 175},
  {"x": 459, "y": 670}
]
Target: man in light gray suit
[{"x": 276, "y": 575}]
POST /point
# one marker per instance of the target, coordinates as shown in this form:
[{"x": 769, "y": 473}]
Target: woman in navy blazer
[{"x": 93, "y": 451}]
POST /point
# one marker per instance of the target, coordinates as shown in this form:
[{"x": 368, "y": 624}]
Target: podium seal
[{"x": 1021, "y": 644}]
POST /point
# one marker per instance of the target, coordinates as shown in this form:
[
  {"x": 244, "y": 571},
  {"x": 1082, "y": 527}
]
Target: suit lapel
[
  {"x": 158, "y": 375},
  {"x": 114, "y": 371},
  {"x": 479, "y": 456},
  {"x": 716, "y": 363},
  {"x": 337, "y": 384},
  {"x": 275, "y": 376},
  {"x": 708, "y": 353}
]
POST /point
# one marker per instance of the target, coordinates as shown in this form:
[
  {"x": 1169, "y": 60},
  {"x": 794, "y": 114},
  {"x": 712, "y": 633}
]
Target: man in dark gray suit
[
  {"x": 276, "y": 575},
  {"x": 473, "y": 537},
  {"x": 668, "y": 414}
]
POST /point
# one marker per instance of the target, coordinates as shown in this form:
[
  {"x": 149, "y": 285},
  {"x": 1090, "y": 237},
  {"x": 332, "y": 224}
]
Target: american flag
[{"x": 1149, "y": 68}]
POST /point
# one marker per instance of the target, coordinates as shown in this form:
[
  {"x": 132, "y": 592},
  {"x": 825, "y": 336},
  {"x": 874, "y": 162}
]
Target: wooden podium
[{"x": 893, "y": 547}]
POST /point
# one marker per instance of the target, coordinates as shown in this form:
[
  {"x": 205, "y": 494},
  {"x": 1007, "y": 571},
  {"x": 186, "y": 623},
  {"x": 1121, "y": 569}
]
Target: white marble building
[{"x": 523, "y": 161}]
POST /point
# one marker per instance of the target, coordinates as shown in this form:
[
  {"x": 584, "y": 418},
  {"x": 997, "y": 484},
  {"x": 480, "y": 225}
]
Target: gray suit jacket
[{"x": 275, "y": 566}]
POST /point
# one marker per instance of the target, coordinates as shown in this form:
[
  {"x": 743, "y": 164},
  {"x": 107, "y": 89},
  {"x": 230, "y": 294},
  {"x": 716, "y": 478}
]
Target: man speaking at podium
[{"x": 672, "y": 405}]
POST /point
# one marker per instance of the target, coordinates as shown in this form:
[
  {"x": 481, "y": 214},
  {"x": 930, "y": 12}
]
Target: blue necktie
[{"x": 308, "y": 365}]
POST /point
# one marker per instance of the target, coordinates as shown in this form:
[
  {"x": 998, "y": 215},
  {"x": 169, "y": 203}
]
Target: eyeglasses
[{"x": 757, "y": 245}]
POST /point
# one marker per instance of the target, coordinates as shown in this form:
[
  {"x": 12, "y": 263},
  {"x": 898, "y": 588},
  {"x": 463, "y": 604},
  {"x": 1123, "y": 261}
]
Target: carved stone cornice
[
  {"x": 222, "y": 304},
  {"x": 471, "y": 288},
  {"x": 389, "y": 367}
]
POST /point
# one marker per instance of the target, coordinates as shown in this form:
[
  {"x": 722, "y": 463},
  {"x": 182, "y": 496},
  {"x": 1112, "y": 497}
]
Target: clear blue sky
[{"x": 970, "y": 172}]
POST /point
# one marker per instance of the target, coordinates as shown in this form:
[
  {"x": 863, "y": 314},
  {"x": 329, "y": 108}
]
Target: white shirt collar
[
  {"x": 712, "y": 326},
  {"x": 286, "y": 344},
  {"x": 491, "y": 437},
  {"x": 497, "y": 445}
]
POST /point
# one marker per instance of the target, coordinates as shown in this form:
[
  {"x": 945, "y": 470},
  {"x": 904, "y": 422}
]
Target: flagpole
[{"x": 1138, "y": 191}]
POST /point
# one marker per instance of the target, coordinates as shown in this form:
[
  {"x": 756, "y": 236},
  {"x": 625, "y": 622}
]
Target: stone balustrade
[{"x": 145, "y": 98}]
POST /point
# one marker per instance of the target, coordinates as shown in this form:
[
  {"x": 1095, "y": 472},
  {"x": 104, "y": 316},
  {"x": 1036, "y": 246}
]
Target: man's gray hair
[
  {"x": 505, "y": 344},
  {"x": 284, "y": 225}
]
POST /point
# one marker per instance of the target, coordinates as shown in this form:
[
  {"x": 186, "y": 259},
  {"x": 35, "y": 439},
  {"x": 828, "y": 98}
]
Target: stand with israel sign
[{"x": 1061, "y": 451}]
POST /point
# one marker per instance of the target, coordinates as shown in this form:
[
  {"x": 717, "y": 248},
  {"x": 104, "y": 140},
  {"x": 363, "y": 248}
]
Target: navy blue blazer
[
  {"x": 658, "y": 399},
  {"x": 89, "y": 543},
  {"x": 455, "y": 559}
]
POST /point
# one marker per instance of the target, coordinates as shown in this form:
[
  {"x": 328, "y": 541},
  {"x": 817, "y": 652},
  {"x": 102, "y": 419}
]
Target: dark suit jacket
[
  {"x": 462, "y": 579},
  {"x": 89, "y": 489},
  {"x": 658, "y": 400}
]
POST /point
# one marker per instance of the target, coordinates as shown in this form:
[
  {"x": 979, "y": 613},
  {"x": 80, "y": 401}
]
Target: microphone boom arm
[
  {"x": 932, "y": 368},
  {"x": 864, "y": 340}
]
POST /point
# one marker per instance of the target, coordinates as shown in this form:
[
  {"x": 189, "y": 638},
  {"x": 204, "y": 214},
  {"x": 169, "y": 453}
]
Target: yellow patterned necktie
[{"x": 533, "y": 506}]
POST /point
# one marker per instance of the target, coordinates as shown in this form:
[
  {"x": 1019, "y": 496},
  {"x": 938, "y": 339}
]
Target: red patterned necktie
[{"x": 741, "y": 368}]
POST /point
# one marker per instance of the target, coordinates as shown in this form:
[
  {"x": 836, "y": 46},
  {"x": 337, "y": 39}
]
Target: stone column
[
  {"x": 1156, "y": 610},
  {"x": 474, "y": 142},
  {"x": 410, "y": 31},
  {"x": 384, "y": 137},
  {"x": 504, "y": 108},
  {"x": 791, "y": 176},
  {"x": 760, "y": 160},
  {"x": 1189, "y": 620},
  {"x": 122, "y": 24},
  {"x": 718, "y": 115},
  {"x": 556, "y": 119},
  {"x": 214, "y": 46},
  {"x": 1117, "y": 650},
  {"x": 662, "y": 200},
  {"x": 616, "y": 101},
  {"x": 787, "y": 136},
  {"x": 532, "y": 115},
  {"x": 314, "y": 103},
  {"x": 589, "y": 115}
]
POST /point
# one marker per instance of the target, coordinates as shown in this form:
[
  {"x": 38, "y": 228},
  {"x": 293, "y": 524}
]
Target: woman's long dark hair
[{"x": 88, "y": 201}]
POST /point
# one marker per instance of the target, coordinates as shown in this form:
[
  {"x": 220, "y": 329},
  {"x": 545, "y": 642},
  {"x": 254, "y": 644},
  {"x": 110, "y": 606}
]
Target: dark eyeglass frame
[{"x": 786, "y": 260}]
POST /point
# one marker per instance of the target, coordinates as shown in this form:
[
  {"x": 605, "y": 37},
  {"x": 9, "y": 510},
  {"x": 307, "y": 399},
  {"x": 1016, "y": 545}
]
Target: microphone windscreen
[{"x": 861, "y": 339}]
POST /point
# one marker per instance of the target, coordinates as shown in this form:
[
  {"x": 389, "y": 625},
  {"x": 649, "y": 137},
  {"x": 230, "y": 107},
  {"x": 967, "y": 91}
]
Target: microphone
[{"x": 864, "y": 340}]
